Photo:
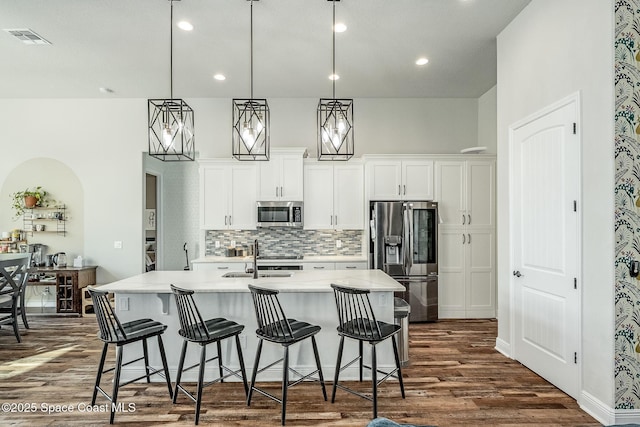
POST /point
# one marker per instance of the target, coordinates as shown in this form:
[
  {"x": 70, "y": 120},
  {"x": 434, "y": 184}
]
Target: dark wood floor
[{"x": 455, "y": 378}]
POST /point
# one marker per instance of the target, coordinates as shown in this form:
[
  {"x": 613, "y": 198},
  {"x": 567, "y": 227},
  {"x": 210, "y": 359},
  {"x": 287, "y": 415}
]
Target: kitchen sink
[{"x": 240, "y": 274}]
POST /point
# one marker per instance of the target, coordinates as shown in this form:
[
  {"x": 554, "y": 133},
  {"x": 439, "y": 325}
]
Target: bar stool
[
  {"x": 14, "y": 271},
  {"x": 203, "y": 332},
  {"x": 275, "y": 327},
  {"x": 121, "y": 334},
  {"x": 358, "y": 322}
]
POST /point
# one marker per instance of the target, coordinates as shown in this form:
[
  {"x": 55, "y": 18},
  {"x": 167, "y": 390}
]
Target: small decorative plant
[{"x": 29, "y": 198}]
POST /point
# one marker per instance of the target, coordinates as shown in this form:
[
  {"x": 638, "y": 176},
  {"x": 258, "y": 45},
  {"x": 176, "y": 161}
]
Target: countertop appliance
[
  {"x": 280, "y": 214},
  {"x": 404, "y": 244}
]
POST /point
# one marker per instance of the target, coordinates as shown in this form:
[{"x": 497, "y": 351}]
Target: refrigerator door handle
[{"x": 408, "y": 238}]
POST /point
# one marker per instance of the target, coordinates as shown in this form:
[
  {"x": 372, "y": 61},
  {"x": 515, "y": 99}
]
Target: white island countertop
[{"x": 211, "y": 281}]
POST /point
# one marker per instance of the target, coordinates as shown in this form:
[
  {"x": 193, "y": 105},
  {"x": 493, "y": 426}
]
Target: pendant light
[
  {"x": 171, "y": 131},
  {"x": 335, "y": 118},
  {"x": 250, "y": 133}
]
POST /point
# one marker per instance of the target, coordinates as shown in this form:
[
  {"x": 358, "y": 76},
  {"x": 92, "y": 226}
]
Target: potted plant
[{"x": 29, "y": 198}]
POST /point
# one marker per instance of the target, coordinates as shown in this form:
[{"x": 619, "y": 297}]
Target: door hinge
[
  {"x": 575, "y": 206},
  {"x": 575, "y": 357},
  {"x": 575, "y": 128}
]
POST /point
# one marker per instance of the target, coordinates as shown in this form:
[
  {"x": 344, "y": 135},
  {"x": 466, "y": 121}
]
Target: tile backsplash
[{"x": 287, "y": 241}]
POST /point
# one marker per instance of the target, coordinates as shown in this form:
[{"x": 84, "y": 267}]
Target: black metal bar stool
[
  {"x": 203, "y": 332},
  {"x": 121, "y": 334},
  {"x": 273, "y": 326},
  {"x": 358, "y": 322}
]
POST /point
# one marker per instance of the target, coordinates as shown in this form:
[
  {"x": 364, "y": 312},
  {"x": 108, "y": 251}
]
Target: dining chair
[
  {"x": 357, "y": 321},
  {"x": 14, "y": 271}
]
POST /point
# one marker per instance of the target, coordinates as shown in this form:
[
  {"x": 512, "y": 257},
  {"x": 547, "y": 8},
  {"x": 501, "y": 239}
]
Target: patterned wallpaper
[{"x": 627, "y": 202}]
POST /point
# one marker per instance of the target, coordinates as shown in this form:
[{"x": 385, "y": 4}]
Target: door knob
[{"x": 517, "y": 273}]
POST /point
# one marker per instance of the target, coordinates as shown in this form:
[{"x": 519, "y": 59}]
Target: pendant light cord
[
  {"x": 333, "y": 30},
  {"x": 251, "y": 44},
  {"x": 171, "y": 50}
]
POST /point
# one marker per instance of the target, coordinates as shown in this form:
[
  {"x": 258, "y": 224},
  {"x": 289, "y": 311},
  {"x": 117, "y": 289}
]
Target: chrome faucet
[{"x": 255, "y": 259}]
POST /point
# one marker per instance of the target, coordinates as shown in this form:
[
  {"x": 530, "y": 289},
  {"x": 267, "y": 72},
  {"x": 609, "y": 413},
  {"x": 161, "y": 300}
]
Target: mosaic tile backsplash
[{"x": 287, "y": 241}]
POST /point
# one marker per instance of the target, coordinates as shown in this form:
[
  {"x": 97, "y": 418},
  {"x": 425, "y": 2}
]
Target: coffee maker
[{"x": 38, "y": 254}]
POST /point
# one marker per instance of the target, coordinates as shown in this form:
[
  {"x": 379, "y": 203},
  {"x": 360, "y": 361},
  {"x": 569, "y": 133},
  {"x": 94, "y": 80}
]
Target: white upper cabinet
[
  {"x": 465, "y": 192},
  {"x": 400, "y": 179},
  {"x": 281, "y": 178},
  {"x": 333, "y": 196},
  {"x": 227, "y": 195}
]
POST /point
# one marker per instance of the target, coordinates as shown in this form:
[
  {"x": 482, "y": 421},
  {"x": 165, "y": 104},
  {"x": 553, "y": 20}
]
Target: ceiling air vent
[{"x": 27, "y": 36}]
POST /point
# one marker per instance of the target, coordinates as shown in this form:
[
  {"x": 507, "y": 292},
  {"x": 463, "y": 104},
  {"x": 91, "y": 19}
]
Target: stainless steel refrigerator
[{"x": 404, "y": 244}]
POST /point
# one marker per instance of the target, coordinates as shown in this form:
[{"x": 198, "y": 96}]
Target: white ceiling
[{"x": 124, "y": 45}]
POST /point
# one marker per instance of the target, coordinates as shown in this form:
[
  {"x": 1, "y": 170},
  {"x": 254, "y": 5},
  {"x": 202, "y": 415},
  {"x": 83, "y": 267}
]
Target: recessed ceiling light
[
  {"x": 185, "y": 25},
  {"x": 422, "y": 61},
  {"x": 334, "y": 77},
  {"x": 340, "y": 28},
  {"x": 219, "y": 77}
]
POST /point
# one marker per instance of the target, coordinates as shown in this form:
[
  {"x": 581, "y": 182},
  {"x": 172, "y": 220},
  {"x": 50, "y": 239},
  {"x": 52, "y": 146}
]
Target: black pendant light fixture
[
  {"x": 250, "y": 133},
  {"x": 335, "y": 118},
  {"x": 171, "y": 131}
]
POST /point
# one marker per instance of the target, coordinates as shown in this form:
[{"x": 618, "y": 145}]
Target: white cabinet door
[
  {"x": 215, "y": 193},
  {"x": 450, "y": 192},
  {"x": 451, "y": 274},
  {"x": 221, "y": 267},
  {"x": 481, "y": 201},
  {"x": 318, "y": 266},
  {"x": 228, "y": 196},
  {"x": 292, "y": 178},
  {"x": 384, "y": 180},
  {"x": 465, "y": 192},
  {"x": 318, "y": 196},
  {"x": 417, "y": 180},
  {"x": 348, "y": 197},
  {"x": 334, "y": 196},
  {"x": 480, "y": 274},
  {"x": 281, "y": 178},
  {"x": 242, "y": 208}
]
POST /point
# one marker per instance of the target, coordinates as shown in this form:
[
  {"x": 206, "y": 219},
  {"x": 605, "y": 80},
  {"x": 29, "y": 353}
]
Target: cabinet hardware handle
[
  {"x": 399, "y": 193},
  {"x": 469, "y": 238},
  {"x": 469, "y": 222},
  {"x": 405, "y": 189},
  {"x": 350, "y": 267},
  {"x": 222, "y": 268},
  {"x": 464, "y": 239},
  {"x": 317, "y": 267},
  {"x": 276, "y": 191},
  {"x": 336, "y": 221},
  {"x": 281, "y": 192},
  {"x": 225, "y": 220},
  {"x": 331, "y": 219},
  {"x": 464, "y": 219},
  {"x": 229, "y": 219}
]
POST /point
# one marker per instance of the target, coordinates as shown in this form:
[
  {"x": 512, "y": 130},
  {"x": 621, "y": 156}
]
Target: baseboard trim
[
  {"x": 600, "y": 411},
  {"x": 503, "y": 347}
]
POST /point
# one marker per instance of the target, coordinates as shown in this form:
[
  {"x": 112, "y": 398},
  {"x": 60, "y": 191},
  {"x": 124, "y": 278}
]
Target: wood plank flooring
[{"x": 455, "y": 378}]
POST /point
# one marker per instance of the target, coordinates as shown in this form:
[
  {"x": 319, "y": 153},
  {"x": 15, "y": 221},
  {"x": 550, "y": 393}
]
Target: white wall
[
  {"x": 102, "y": 140},
  {"x": 551, "y": 50},
  {"x": 487, "y": 111}
]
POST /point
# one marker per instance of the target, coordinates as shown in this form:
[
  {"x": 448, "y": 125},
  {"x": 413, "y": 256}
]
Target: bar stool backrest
[
  {"x": 110, "y": 328},
  {"x": 14, "y": 270},
  {"x": 355, "y": 313},
  {"x": 191, "y": 323},
  {"x": 272, "y": 322}
]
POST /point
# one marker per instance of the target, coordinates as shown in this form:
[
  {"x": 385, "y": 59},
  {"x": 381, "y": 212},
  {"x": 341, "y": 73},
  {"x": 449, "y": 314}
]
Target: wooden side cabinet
[{"x": 69, "y": 288}]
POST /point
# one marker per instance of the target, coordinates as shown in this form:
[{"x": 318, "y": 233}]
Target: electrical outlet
[
  {"x": 217, "y": 244},
  {"x": 117, "y": 244},
  {"x": 123, "y": 304},
  {"x": 338, "y": 244}
]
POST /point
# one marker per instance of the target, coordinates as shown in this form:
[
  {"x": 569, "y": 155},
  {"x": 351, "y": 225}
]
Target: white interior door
[{"x": 545, "y": 247}]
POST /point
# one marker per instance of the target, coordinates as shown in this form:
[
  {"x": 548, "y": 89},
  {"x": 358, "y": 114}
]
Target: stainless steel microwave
[{"x": 280, "y": 214}]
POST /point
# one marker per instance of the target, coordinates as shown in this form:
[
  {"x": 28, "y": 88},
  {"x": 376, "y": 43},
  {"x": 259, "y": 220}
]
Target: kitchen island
[{"x": 305, "y": 295}]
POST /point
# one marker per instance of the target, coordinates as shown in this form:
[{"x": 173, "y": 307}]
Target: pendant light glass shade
[
  {"x": 250, "y": 132},
  {"x": 250, "y": 136},
  {"x": 171, "y": 133},
  {"x": 335, "y": 118},
  {"x": 171, "y": 122},
  {"x": 335, "y": 124}
]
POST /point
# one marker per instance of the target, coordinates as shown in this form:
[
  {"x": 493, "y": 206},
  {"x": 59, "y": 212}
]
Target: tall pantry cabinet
[{"x": 465, "y": 192}]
